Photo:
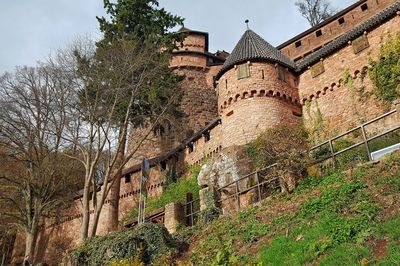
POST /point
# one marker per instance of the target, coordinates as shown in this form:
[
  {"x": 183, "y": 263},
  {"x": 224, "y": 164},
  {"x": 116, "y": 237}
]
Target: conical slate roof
[{"x": 252, "y": 46}]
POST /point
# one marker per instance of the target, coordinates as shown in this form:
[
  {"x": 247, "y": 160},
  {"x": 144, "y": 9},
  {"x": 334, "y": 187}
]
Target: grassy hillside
[{"x": 349, "y": 218}]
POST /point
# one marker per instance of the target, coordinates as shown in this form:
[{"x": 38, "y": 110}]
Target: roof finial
[{"x": 247, "y": 23}]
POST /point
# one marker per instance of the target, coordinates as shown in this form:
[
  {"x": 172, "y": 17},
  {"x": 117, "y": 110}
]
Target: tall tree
[
  {"x": 315, "y": 11},
  {"x": 143, "y": 21},
  {"x": 140, "y": 18},
  {"x": 32, "y": 175}
]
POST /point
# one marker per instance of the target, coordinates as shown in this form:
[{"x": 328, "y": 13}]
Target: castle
[{"x": 229, "y": 99}]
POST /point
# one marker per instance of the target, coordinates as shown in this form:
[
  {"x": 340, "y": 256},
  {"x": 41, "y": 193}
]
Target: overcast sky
[{"x": 31, "y": 29}]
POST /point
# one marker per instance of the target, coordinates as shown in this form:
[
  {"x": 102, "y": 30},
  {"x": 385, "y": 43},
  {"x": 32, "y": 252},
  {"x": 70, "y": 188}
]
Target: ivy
[
  {"x": 348, "y": 82},
  {"x": 385, "y": 72},
  {"x": 146, "y": 242}
]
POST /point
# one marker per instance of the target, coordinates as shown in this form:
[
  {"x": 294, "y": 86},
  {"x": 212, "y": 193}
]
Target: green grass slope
[{"x": 343, "y": 218}]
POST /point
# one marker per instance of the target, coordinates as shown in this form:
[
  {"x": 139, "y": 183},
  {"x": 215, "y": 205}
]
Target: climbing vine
[
  {"x": 385, "y": 72},
  {"x": 355, "y": 93}
]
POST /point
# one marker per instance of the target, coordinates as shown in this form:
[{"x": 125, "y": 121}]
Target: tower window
[
  {"x": 163, "y": 165},
  {"x": 127, "y": 179},
  {"x": 281, "y": 73},
  {"x": 360, "y": 44},
  {"x": 364, "y": 7},
  {"x": 341, "y": 20},
  {"x": 206, "y": 136},
  {"x": 318, "y": 33},
  {"x": 317, "y": 69},
  {"x": 297, "y": 44},
  {"x": 243, "y": 71},
  {"x": 191, "y": 148}
]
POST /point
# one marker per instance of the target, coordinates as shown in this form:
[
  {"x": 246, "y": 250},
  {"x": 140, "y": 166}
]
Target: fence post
[
  {"x": 237, "y": 195},
  {"x": 173, "y": 217},
  {"x": 332, "y": 154},
  {"x": 366, "y": 142},
  {"x": 258, "y": 186},
  {"x": 189, "y": 208}
]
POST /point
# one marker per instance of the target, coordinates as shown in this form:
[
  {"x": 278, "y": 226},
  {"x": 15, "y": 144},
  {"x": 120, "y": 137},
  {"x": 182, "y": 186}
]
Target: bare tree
[
  {"x": 315, "y": 11},
  {"x": 126, "y": 84},
  {"x": 32, "y": 175}
]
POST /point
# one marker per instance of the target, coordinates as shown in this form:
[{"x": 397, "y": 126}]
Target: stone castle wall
[
  {"x": 205, "y": 147},
  {"x": 198, "y": 105},
  {"x": 250, "y": 105},
  {"x": 311, "y": 40},
  {"x": 341, "y": 105}
]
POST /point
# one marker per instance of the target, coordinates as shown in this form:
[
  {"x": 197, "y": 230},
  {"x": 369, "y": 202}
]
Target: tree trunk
[
  {"x": 95, "y": 221},
  {"x": 113, "y": 210},
  {"x": 85, "y": 213},
  {"x": 30, "y": 243}
]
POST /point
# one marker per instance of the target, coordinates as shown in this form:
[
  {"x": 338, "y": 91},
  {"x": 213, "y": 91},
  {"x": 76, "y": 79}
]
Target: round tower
[
  {"x": 199, "y": 67},
  {"x": 257, "y": 89},
  {"x": 198, "y": 105}
]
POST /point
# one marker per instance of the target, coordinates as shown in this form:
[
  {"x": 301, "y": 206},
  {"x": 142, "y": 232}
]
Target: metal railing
[
  {"x": 192, "y": 211},
  {"x": 365, "y": 141},
  {"x": 156, "y": 216},
  {"x": 264, "y": 185}
]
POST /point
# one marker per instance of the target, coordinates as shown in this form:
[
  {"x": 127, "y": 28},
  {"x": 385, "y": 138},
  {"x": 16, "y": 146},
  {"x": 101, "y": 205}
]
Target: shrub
[
  {"x": 144, "y": 243},
  {"x": 285, "y": 145}
]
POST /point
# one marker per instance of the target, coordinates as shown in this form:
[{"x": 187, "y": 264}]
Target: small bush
[
  {"x": 286, "y": 145},
  {"x": 210, "y": 214}
]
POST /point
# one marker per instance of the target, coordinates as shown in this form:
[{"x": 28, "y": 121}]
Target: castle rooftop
[{"x": 253, "y": 47}]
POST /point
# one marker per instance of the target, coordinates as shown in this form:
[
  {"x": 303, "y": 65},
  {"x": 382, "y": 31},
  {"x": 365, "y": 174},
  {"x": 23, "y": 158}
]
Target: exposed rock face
[{"x": 231, "y": 164}]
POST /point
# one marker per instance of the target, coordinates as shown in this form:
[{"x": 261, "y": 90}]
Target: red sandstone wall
[
  {"x": 189, "y": 59},
  {"x": 342, "y": 107},
  {"x": 310, "y": 42},
  {"x": 194, "y": 42},
  {"x": 248, "y": 106},
  {"x": 203, "y": 149},
  {"x": 198, "y": 104}
]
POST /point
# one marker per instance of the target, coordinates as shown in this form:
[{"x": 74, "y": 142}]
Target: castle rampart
[
  {"x": 316, "y": 37},
  {"x": 354, "y": 102}
]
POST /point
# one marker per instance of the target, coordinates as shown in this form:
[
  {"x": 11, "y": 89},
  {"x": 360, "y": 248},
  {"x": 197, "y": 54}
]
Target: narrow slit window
[{"x": 190, "y": 147}]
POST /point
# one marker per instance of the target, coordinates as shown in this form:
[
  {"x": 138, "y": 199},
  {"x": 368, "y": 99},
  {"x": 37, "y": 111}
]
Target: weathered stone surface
[
  {"x": 174, "y": 216},
  {"x": 228, "y": 166}
]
